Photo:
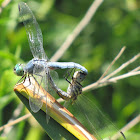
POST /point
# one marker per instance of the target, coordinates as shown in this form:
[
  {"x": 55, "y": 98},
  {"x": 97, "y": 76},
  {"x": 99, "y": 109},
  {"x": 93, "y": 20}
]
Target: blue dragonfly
[{"x": 39, "y": 67}]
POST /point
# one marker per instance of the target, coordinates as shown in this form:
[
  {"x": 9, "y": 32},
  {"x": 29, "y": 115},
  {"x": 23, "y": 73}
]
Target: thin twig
[
  {"x": 108, "y": 80},
  {"x": 126, "y": 75},
  {"x": 16, "y": 113},
  {"x": 15, "y": 121},
  {"x": 82, "y": 24},
  {"x": 131, "y": 124},
  {"x": 136, "y": 69},
  {"x": 103, "y": 83},
  {"x": 4, "y": 4},
  {"x": 112, "y": 63},
  {"x": 123, "y": 66}
]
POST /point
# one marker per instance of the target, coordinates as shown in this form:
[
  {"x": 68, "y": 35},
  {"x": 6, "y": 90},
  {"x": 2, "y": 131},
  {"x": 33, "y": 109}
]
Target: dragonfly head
[
  {"x": 79, "y": 76},
  {"x": 18, "y": 70}
]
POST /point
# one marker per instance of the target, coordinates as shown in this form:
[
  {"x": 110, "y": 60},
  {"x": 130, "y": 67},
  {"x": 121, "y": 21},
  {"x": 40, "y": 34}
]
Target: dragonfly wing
[
  {"x": 35, "y": 101},
  {"x": 42, "y": 79},
  {"x": 46, "y": 87},
  {"x": 33, "y": 31},
  {"x": 55, "y": 77},
  {"x": 93, "y": 118},
  {"x": 35, "y": 104}
]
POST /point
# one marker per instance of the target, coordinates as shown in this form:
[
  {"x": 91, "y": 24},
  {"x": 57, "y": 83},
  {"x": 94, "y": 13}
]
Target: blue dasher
[{"x": 39, "y": 67}]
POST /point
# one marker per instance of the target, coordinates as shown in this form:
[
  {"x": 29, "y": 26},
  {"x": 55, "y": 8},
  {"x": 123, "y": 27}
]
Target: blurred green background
[{"x": 115, "y": 24}]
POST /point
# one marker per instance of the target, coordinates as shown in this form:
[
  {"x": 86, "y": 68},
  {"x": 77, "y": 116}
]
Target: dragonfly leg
[
  {"x": 24, "y": 76},
  {"x": 29, "y": 80},
  {"x": 68, "y": 74},
  {"x": 36, "y": 80},
  {"x": 79, "y": 84}
]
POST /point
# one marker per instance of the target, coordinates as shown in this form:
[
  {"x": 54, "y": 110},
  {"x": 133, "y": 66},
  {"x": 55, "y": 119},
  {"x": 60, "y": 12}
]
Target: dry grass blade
[{"x": 55, "y": 110}]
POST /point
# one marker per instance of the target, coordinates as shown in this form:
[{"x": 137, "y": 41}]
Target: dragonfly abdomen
[
  {"x": 74, "y": 90},
  {"x": 66, "y": 65}
]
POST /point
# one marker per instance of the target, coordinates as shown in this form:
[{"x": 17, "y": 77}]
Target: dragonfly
[{"x": 40, "y": 66}]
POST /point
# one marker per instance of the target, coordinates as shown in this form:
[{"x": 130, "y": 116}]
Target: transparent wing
[
  {"x": 33, "y": 31},
  {"x": 85, "y": 110},
  {"x": 55, "y": 77},
  {"x": 42, "y": 79},
  {"x": 46, "y": 87},
  {"x": 36, "y": 101},
  {"x": 35, "y": 104}
]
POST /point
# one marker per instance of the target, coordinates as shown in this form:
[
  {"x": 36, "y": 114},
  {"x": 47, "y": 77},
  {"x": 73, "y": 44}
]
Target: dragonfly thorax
[
  {"x": 75, "y": 88},
  {"x": 35, "y": 66},
  {"x": 79, "y": 76}
]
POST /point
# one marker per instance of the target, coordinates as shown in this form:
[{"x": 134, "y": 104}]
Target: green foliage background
[{"x": 115, "y": 24}]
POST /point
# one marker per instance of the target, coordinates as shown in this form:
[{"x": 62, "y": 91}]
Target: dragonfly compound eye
[{"x": 18, "y": 70}]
